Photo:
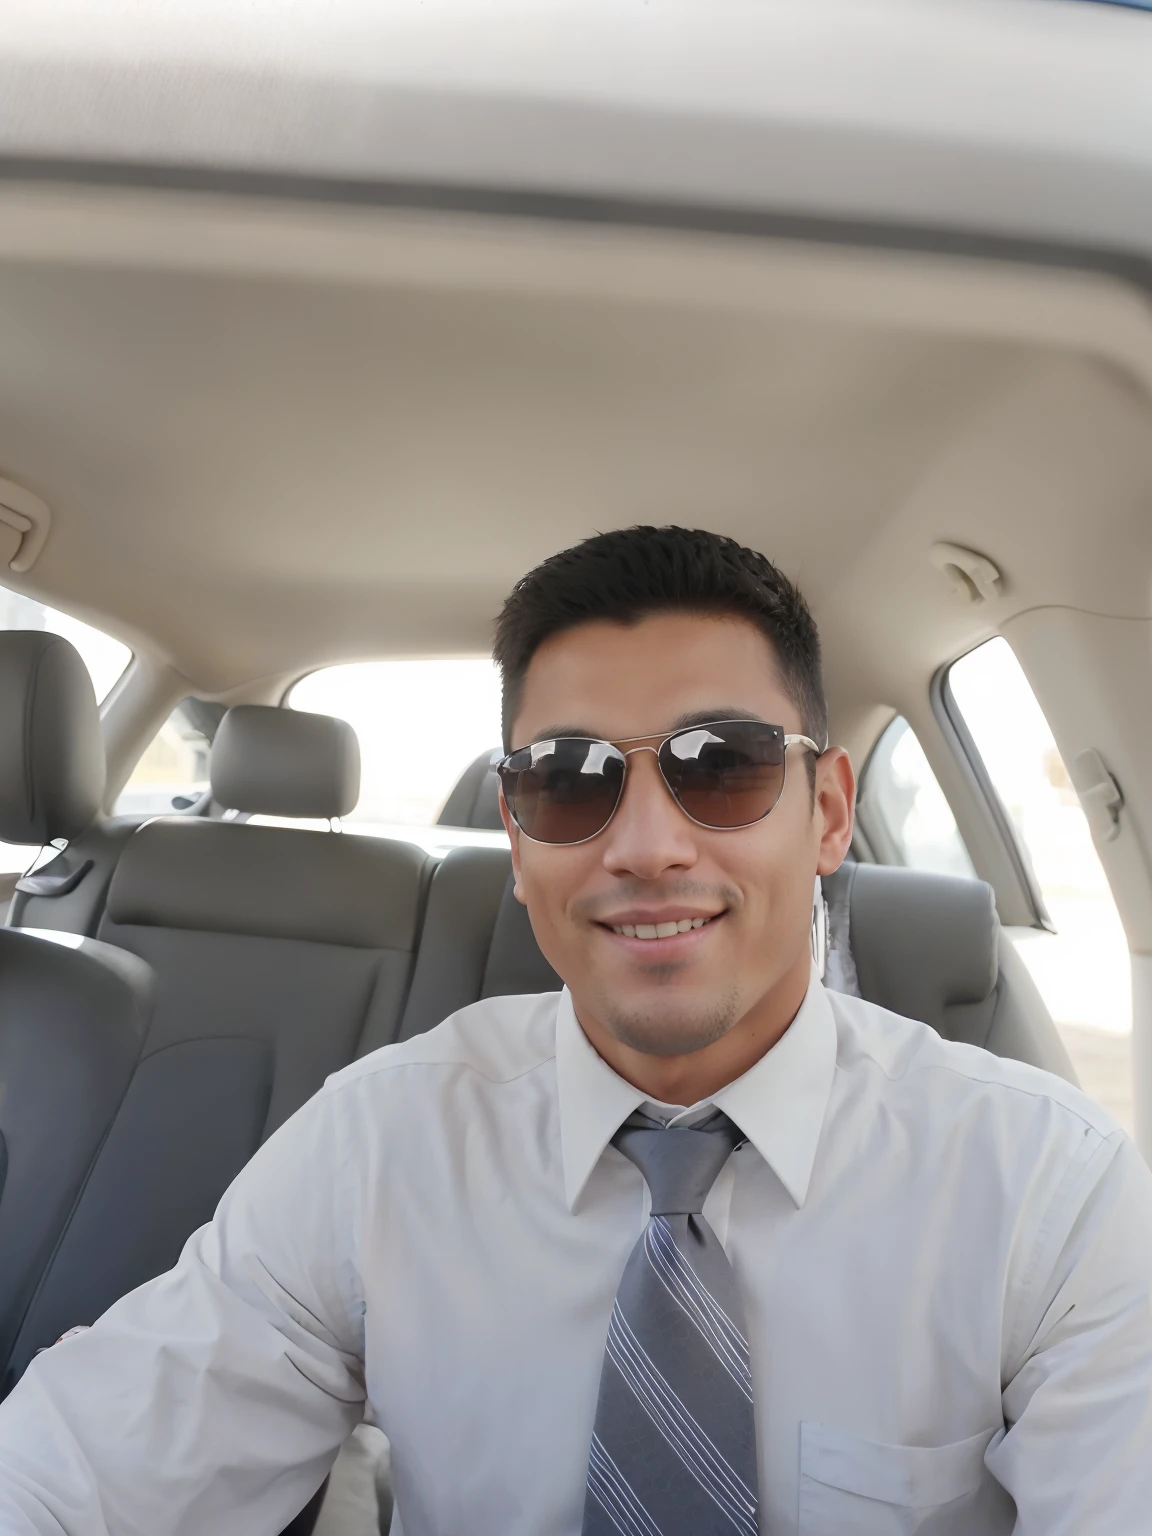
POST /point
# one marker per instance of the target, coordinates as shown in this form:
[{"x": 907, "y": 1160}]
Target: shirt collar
[
  {"x": 779, "y": 1104},
  {"x": 594, "y": 1100}
]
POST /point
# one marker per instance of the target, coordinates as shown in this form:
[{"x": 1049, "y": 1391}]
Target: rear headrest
[
  {"x": 475, "y": 799},
  {"x": 51, "y": 752},
  {"x": 283, "y": 762},
  {"x": 267, "y": 882},
  {"x": 921, "y": 943}
]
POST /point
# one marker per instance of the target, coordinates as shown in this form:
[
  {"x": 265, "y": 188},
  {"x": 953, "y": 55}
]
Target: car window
[
  {"x": 420, "y": 724},
  {"x": 1082, "y": 969},
  {"x": 902, "y": 812},
  {"x": 104, "y": 657},
  {"x": 173, "y": 772}
]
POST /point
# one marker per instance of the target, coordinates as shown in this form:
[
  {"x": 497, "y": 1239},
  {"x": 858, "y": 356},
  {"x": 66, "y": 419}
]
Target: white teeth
[{"x": 658, "y": 930}]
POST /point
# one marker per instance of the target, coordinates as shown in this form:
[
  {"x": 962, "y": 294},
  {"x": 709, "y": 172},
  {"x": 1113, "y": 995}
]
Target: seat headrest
[
  {"x": 51, "y": 752},
  {"x": 284, "y": 762},
  {"x": 921, "y": 943},
  {"x": 475, "y": 798}
]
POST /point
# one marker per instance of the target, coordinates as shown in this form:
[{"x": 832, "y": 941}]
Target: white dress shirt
[{"x": 945, "y": 1258}]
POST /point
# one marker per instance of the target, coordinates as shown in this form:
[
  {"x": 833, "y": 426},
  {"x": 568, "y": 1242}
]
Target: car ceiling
[{"x": 274, "y": 437}]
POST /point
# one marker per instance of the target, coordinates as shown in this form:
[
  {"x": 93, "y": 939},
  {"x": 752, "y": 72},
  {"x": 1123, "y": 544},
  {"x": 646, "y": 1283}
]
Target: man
[{"x": 692, "y": 1247}]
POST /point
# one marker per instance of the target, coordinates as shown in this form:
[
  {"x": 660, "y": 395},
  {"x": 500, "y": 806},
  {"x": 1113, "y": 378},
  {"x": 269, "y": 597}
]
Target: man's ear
[
  {"x": 513, "y": 832},
  {"x": 835, "y": 808}
]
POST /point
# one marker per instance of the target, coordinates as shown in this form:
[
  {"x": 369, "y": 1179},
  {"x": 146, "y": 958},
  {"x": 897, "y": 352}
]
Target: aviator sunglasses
[{"x": 724, "y": 775}]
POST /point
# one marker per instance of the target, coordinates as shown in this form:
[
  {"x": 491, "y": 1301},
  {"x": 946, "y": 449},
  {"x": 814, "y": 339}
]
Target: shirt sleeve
[
  {"x": 1077, "y": 1455},
  {"x": 215, "y": 1397}
]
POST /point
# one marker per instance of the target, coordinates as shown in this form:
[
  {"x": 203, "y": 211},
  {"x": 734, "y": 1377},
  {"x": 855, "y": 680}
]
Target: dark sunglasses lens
[
  {"x": 727, "y": 775},
  {"x": 563, "y": 791}
]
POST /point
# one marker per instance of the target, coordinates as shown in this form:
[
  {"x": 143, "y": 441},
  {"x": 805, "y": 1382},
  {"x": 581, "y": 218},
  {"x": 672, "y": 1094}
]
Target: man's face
[{"x": 651, "y": 864}]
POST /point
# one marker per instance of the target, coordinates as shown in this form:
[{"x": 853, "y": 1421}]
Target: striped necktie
[{"x": 674, "y": 1445}]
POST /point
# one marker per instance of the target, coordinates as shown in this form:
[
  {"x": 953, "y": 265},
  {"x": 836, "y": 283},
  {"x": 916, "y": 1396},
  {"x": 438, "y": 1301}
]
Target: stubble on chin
[{"x": 669, "y": 1027}]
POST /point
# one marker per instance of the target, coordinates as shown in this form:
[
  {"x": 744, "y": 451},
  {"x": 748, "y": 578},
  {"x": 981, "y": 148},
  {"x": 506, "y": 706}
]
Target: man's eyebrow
[
  {"x": 713, "y": 716},
  {"x": 551, "y": 732},
  {"x": 681, "y": 723}
]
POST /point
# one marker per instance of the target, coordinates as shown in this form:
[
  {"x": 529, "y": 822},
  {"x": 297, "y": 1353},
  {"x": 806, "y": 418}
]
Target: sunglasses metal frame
[{"x": 661, "y": 741}]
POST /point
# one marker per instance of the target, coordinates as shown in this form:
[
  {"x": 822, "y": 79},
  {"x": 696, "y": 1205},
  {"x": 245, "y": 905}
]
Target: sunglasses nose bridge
[
  {"x": 647, "y": 833},
  {"x": 655, "y": 751}
]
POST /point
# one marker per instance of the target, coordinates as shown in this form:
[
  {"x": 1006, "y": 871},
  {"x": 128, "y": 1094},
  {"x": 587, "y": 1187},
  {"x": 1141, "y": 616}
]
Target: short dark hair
[{"x": 632, "y": 573}]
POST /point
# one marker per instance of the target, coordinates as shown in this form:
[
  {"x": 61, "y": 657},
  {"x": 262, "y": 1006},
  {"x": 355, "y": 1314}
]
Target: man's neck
[{"x": 690, "y": 1078}]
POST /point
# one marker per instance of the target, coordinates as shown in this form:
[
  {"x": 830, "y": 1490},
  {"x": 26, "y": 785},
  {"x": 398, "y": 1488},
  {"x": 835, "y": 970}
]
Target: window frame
[
  {"x": 872, "y": 838},
  {"x": 202, "y": 805},
  {"x": 999, "y": 857},
  {"x": 1015, "y": 866}
]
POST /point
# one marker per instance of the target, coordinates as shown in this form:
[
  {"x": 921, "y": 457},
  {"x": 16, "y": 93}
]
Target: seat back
[
  {"x": 476, "y": 942},
  {"x": 475, "y": 798},
  {"x": 73, "y": 1015},
  {"x": 930, "y": 947},
  {"x": 275, "y": 950},
  {"x": 925, "y": 946}
]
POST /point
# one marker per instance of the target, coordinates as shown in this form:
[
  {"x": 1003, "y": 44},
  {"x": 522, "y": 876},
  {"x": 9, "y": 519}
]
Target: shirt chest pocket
[{"x": 854, "y": 1487}]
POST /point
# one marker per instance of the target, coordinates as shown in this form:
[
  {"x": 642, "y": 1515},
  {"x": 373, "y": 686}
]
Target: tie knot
[{"x": 680, "y": 1163}]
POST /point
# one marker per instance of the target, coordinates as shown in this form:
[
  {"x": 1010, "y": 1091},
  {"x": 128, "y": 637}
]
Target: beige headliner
[{"x": 275, "y": 436}]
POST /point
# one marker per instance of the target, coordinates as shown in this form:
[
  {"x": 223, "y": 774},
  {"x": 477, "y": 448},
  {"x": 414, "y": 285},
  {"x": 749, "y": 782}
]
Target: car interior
[{"x": 260, "y": 435}]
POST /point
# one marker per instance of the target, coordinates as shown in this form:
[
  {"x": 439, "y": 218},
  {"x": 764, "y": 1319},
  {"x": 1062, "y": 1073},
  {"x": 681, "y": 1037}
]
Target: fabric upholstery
[
  {"x": 73, "y": 1017},
  {"x": 285, "y": 762},
  {"x": 271, "y": 882},
  {"x": 930, "y": 947},
  {"x": 476, "y": 942},
  {"x": 51, "y": 754},
  {"x": 475, "y": 799},
  {"x": 515, "y": 963},
  {"x": 921, "y": 942},
  {"x": 275, "y": 951},
  {"x": 93, "y": 856}
]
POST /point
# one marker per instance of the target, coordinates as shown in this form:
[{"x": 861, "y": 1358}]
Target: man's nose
[{"x": 649, "y": 833}]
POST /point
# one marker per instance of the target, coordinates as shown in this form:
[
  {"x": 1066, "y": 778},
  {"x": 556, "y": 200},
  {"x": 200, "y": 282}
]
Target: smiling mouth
[{"x": 660, "y": 930}]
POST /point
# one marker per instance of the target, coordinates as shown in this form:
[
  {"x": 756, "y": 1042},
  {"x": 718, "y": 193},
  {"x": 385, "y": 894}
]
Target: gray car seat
[
  {"x": 52, "y": 767},
  {"x": 72, "y": 1020},
  {"x": 931, "y": 948},
  {"x": 275, "y": 949},
  {"x": 51, "y": 754},
  {"x": 475, "y": 798},
  {"x": 927, "y": 946},
  {"x": 72, "y": 1012},
  {"x": 476, "y": 942}
]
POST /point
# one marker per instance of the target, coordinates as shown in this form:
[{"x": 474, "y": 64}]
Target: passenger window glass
[
  {"x": 104, "y": 657},
  {"x": 1082, "y": 970},
  {"x": 420, "y": 724},
  {"x": 903, "y": 812},
  {"x": 173, "y": 773}
]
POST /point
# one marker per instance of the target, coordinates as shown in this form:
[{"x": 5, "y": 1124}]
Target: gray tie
[{"x": 674, "y": 1446}]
